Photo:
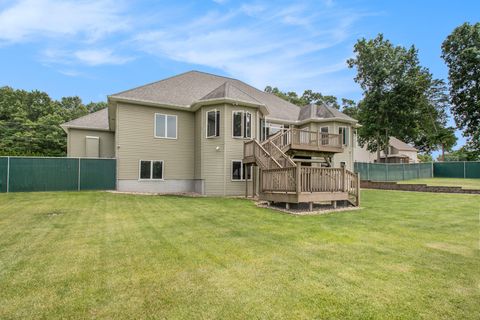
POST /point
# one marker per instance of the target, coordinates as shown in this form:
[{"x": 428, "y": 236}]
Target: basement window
[
  {"x": 238, "y": 173},
  {"x": 151, "y": 170}
]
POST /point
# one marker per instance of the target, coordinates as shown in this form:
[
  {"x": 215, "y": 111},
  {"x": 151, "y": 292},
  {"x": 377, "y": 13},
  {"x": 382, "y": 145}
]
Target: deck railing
[
  {"x": 303, "y": 137},
  {"x": 254, "y": 149},
  {"x": 315, "y": 138},
  {"x": 279, "y": 180},
  {"x": 310, "y": 180},
  {"x": 315, "y": 179}
]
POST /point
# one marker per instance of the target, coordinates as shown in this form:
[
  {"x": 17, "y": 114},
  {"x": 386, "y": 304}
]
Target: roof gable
[
  {"x": 187, "y": 88},
  {"x": 96, "y": 120},
  {"x": 400, "y": 145}
]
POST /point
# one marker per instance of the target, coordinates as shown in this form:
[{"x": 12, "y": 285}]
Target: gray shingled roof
[
  {"x": 96, "y": 120},
  {"x": 322, "y": 111},
  {"x": 229, "y": 91},
  {"x": 187, "y": 88},
  {"x": 400, "y": 145}
]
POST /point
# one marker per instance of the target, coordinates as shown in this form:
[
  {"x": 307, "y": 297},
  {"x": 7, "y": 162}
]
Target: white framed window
[
  {"x": 268, "y": 129},
  {"x": 165, "y": 126},
  {"x": 150, "y": 170},
  {"x": 241, "y": 124},
  {"x": 238, "y": 173},
  {"x": 213, "y": 123},
  {"x": 343, "y": 132}
]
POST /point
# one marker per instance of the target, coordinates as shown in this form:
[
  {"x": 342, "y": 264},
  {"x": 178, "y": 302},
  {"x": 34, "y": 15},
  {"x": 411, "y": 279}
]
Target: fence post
[
  {"x": 79, "y": 172},
  {"x": 431, "y": 174},
  {"x": 368, "y": 171},
  {"x": 8, "y": 174},
  {"x": 464, "y": 170},
  {"x": 386, "y": 172},
  {"x": 403, "y": 171}
]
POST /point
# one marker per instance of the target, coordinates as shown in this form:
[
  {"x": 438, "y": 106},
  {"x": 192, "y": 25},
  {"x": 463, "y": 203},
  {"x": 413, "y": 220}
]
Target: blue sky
[{"x": 93, "y": 48}]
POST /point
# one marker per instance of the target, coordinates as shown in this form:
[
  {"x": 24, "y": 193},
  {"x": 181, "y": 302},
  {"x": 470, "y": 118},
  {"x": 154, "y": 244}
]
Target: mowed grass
[
  {"x": 405, "y": 255},
  {"x": 447, "y": 182}
]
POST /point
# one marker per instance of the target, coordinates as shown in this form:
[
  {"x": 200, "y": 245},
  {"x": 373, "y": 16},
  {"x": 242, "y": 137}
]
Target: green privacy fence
[
  {"x": 56, "y": 174},
  {"x": 397, "y": 172},
  {"x": 393, "y": 172},
  {"x": 459, "y": 169}
]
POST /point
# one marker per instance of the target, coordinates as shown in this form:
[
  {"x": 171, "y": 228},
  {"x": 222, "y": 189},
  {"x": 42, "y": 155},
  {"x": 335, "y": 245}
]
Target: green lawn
[
  {"x": 448, "y": 182},
  {"x": 99, "y": 255}
]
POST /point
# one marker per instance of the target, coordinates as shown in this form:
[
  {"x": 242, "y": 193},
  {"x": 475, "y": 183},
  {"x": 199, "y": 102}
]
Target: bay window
[
  {"x": 242, "y": 124},
  {"x": 213, "y": 123}
]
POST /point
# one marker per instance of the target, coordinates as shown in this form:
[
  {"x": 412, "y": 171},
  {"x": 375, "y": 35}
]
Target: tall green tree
[
  {"x": 30, "y": 121},
  {"x": 401, "y": 98},
  {"x": 461, "y": 52},
  {"x": 306, "y": 98}
]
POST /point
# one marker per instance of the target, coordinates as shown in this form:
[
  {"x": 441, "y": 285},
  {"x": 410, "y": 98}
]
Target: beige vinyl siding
[
  {"x": 348, "y": 151},
  {"x": 76, "y": 143},
  {"x": 198, "y": 144},
  {"x": 213, "y": 160},
  {"x": 234, "y": 149},
  {"x": 136, "y": 141}
]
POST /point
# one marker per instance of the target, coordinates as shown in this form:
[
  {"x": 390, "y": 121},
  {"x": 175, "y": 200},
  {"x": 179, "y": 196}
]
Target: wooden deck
[
  {"x": 309, "y": 184},
  {"x": 283, "y": 180}
]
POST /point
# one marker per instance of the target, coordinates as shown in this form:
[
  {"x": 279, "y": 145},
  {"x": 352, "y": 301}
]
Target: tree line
[
  {"x": 401, "y": 98},
  {"x": 30, "y": 121}
]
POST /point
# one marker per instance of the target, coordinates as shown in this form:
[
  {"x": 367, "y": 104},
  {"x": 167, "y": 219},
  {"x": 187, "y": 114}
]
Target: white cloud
[
  {"x": 30, "y": 20},
  {"x": 89, "y": 57},
  {"x": 256, "y": 43},
  {"x": 95, "y": 57}
]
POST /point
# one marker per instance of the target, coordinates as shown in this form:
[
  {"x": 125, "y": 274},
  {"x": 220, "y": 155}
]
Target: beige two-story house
[{"x": 188, "y": 133}]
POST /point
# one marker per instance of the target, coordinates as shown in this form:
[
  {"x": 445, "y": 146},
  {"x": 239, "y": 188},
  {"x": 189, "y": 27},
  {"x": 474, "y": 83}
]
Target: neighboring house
[
  {"x": 398, "y": 152},
  {"x": 187, "y": 133}
]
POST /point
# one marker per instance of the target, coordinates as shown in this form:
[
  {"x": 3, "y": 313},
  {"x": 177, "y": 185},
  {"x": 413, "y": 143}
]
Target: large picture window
[
  {"x": 165, "y": 126},
  {"x": 242, "y": 124},
  {"x": 238, "y": 174},
  {"x": 213, "y": 123},
  {"x": 343, "y": 131},
  {"x": 151, "y": 170}
]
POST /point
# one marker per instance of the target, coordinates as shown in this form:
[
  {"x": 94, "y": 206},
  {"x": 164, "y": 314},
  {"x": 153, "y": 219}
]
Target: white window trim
[
  {"x": 346, "y": 135},
  {"x": 241, "y": 172},
  {"x": 242, "y": 135},
  {"x": 151, "y": 170},
  {"x": 166, "y": 129},
  {"x": 206, "y": 124}
]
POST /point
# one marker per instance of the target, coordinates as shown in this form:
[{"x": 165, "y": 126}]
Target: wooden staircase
[{"x": 284, "y": 180}]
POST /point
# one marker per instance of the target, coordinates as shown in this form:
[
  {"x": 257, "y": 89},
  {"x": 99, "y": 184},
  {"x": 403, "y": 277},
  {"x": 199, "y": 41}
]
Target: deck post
[
  {"x": 310, "y": 206},
  {"x": 358, "y": 189},
  {"x": 246, "y": 180},
  {"x": 344, "y": 177},
  {"x": 253, "y": 180},
  {"x": 298, "y": 178},
  {"x": 334, "y": 203}
]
